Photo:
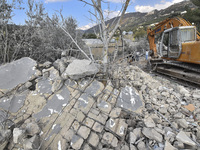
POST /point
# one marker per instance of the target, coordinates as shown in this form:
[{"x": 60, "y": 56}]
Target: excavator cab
[{"x": 172, "y": 39}]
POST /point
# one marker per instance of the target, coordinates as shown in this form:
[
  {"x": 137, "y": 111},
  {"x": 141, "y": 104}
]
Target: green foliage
[
  {"x": 196, "y": 2},
  {"x": 193, "y": 15},
  {"x": 89, "y": 36},
  {"x": 139, "y": 33},
  {"x": 41, "y": 38}
]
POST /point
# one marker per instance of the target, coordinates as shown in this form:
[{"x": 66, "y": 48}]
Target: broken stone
[
  {"x": 47, "y": 64},
  {"x": 108, "y": 137},
  {"x": 104, "y": 106},
  {"x": 55, "y": 103},
  {"x": 178, "y": 115},
  {"x": 16, "y": 72},
  {"x": 4, "y": 138},
  {"x": 152, "y": 134},
  {"x": 178, "y": 145},
  {"x": 115, "y": 112},
  {"x": 168, "y": 146},
  {"x": 93, "y": 139},
  {"x": 81, "y": 68},
  {"x": 114, "y": 142},
  {"x": 32, "y": 143},
  {"x": 117, "y": 126},
  {"x": 95, "y": 88},
  {"x": 57, "y": 85},
  {"x": 149, "y": 122},
  {"x": 129, "y": 99},
  {"x": 196, "y": 94},
  {"x": 141, "y": 145},
  {"x": 132, "y": 147},
  {"x": 182, "y": 137},
  {"x": 13, "y": 103},
  {"x": 17, "y": 135},
  {"x": 182, "y": 123},
  {"x": 32, "y": 129}
]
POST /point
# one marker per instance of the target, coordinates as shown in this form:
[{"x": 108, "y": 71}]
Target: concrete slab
[
  {"x": 95, "y": 88},
  {"x": 129, "y": 99},
  {"x": 13, "y": 103},
  {"x": 16, "y": 72},
  {"x": 55, "y": 103}
]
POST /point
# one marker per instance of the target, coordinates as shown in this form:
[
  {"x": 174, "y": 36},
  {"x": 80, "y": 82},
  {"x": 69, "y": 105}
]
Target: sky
[{"x": 80, "y": 11}]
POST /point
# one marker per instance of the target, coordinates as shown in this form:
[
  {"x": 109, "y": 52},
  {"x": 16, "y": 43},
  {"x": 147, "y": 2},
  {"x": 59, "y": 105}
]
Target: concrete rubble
[{"x": 51, "y": 107}]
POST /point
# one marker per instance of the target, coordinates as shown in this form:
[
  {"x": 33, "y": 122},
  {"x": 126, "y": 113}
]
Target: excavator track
[{"x": 179, "y": 70}]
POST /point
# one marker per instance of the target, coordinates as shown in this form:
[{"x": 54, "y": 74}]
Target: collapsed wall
[{"x": 64, "y": 105}]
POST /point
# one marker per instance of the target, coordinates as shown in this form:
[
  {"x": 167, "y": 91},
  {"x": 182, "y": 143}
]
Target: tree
[
  {"x": 194, "y": 15},
  {"x": 106, "y": 30},
  {"x": 6, "y": 29}
]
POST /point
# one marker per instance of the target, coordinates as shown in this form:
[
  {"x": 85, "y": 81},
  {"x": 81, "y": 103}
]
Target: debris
[
  {"x": 182, "y": 137},
  {"x": 16, "y": 72},
  {"x": 190, "y": 107},
  {"x": 81, "y": 68}
]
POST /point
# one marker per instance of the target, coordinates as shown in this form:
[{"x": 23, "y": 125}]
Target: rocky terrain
[{"x": 69, "y": 104}]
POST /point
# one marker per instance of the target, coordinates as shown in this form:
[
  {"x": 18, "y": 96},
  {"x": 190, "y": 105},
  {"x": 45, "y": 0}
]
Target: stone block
[
  {"x": 117, "y": 127},
  {"x": 16, "y": 72},
  {"x": 104, "y": 106},
  {"x": 93, "y": 139},
  {"x": 129, "y": 99},
  {"x": 88, "y": 122},
  {"x": 84, "y": 103},
  {"x": 97, "y": 127},
  {"x": 76, "y": 142},
  {"x": 84, "y": 132},
  {"x": 95, "y": 88}
]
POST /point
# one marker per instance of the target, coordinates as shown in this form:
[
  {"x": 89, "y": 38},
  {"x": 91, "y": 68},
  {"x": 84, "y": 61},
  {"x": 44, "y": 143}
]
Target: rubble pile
[
  {"x": 170, "y": 119},
  {"x": 57, "y": 106}
]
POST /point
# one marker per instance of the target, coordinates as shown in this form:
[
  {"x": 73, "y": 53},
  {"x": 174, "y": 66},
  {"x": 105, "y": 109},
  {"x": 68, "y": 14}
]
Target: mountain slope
[{"x": 134, "y": 19}]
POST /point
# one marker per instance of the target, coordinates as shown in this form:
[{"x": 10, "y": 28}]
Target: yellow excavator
[{"x": 175, "y": 47}]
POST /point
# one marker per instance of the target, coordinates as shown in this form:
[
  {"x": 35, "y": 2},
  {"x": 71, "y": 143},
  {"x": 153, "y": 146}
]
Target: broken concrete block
[
  {"x": 81, "y": 68},
  {"x": 95, "y": 88},
  {"x": 16, "y": 72},
  {"x": 55, "y": 103},
  {"x": 182, "y": 137},
  {"x": 104, "y": 106},
  {"x": 32, "y": 129},
  {"x": 168, "y": 146},
  {"x": 129, "y": 99},
  {"x": 32, "y": 143},
  {"x": 117, "y": 126},
  {"x": 108, "y": 137},
  {"x": 17, "y": 135},
  {"x": 149, "y": 122},
  {"x": 115, "y": 112},
  {"x": 4, "y": 138},
  {"x": 13, "y": 103},
  {"x": 152, "y": 134}
]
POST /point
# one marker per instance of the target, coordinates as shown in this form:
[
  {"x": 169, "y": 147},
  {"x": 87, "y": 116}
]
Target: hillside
[{"x": 135, "y": 19}]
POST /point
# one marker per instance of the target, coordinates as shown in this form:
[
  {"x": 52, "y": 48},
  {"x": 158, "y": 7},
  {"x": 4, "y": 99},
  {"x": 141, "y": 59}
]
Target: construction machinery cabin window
[
  {"x": 188, "y": 34},
  {"x": 165, "y": 44},
  {"x": 174, "y": 44}
]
